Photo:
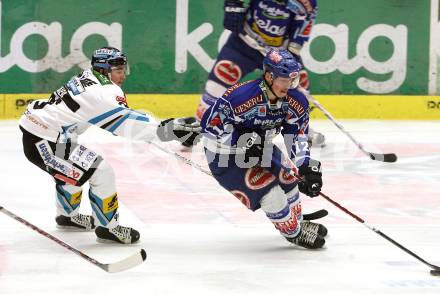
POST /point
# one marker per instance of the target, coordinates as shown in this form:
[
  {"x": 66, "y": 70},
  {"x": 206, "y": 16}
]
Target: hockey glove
[
  {"x": 185, "y": 130},
  {"x": 253, "y": 148},
  {"x": 235, "y": 13},
  {"x": 311, "y": 178}
]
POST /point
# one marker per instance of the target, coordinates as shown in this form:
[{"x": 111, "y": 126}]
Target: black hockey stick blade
[
  {"x": 315, "y": 215},
  {"x": 388, "y": 157},
  {"x": 435, "y": 272},
  {"x": 127, "y": 263}
]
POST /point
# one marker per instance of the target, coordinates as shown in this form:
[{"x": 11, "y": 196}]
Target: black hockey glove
[
  {"x": 185, "y": 130},
  {"x": 235, "y": 13},
  {"x": 311, "y": 178},
  {"x": 253, "y": 147}
]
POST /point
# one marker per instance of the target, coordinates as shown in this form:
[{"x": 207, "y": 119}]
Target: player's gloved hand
[
  {"x": 235, "y": 13},
  {"x": 253, "y": 147},
  {"x": 185, "y": 130},
  {"x": 311, "y": 176}
]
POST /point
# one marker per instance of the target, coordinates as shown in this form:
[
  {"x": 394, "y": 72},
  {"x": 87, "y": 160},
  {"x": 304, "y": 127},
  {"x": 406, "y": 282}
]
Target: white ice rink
[{"x": 200, "y": 239}]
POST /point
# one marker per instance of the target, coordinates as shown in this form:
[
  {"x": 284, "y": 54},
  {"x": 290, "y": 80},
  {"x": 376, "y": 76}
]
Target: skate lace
[
  {"x": 307, "y": 238},
  {"x": 309, "y": 226},
  {"x": 82, "y": 219},
  {"x": 123, "y": 232}
]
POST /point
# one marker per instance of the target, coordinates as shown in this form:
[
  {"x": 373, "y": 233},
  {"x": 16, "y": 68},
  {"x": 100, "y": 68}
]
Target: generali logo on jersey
[
  {"x": 295, "y": 105},
  {"x": 248, "y": 104}
]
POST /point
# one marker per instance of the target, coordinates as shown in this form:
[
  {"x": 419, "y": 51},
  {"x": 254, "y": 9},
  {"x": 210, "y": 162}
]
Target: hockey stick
[
  {"x": 435, "y": 269},
  {"x": 115, "y": 267},
  {"x": 306, "y": 216},
  {"x": 387, "y": 157}
]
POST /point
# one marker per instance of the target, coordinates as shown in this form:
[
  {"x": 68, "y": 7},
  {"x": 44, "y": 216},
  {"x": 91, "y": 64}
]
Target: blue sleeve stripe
[
  {"x": 131, "y": 115},
  {"x": 117, "y": 124},
  {"x": 141, "y": 117},
  {"x": 103, "y": 116}
]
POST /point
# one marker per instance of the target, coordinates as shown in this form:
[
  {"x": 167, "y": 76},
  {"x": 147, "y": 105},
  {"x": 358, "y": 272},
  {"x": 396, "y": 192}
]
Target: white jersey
[{"x": 89, "y": 98}]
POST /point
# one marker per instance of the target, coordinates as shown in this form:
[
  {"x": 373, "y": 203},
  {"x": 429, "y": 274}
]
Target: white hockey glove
[{"x": 185, "y": 130}]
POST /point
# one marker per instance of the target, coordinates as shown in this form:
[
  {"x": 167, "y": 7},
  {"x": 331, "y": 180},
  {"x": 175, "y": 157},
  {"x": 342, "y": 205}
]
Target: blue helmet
[
  {"x": 281, "y": 63},
  {"x": 106, "y": 58}
]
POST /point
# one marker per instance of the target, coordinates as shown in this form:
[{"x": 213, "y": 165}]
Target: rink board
[{"x": 340, "y": 106}]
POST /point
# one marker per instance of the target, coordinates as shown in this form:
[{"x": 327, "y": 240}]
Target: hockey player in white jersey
[{"x": 50, "y": 128}]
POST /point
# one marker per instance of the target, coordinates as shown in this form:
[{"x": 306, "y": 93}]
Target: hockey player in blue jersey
[
  {"x": 238, "y": 130},
  {"x": 262, "y": 25}
]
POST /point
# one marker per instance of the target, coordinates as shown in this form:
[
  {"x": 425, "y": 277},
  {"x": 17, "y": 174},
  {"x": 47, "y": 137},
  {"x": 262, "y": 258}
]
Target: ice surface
[{"x": 200, "y": 239}]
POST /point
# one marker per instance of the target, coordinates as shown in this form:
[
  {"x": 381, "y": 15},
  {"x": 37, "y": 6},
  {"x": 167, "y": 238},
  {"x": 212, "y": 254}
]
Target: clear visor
[
  {"x": 123, "y": 67},
  {"x": 291, "y": 82}
]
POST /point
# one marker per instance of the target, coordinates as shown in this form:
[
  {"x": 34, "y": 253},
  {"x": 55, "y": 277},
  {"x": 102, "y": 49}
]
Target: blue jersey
[
  {"x": 275, "y": 23},
  {"x": 269, "y": 24},
  {"x": 245, "y": 108}
]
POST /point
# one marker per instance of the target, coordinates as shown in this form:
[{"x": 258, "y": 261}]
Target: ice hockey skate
[
  {"x": 307, "y": 239},
  {"x": 316, "y": 139},
  {"x": 79, "y": 222},
  {"x": 316, "y": 228},
  {"x": 119, "y": 234}
]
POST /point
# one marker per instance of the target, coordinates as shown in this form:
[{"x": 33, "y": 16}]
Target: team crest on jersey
[
  {"x": 257, "y": 178},
  {"x": 242, "y": 197},
  {"x": 261, "y": 110},
  {"x": 227, "y": 72},
  {"x": 215, "y": 121}
]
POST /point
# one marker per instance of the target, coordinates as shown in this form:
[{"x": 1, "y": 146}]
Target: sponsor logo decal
[
  {"x": 257, "y": 178},
  {"x": 110, "y": 203},
  {"x": 122, "y": 101},
  {"x": 288, "y": 227},
  {"x": 231, "y": 89},
  {"x": 55, "y": 163},
  {"x": 83, "y": 157},
  {"x": 269, "y": 123},
  {"x": 248, "y": 104},
  {"x": 227, "y": 72},
  {"x": 242, "y": 197},
  {"x": 295, "y": 105},
  {"x": 433, "y": 104},
  {"x": 286, "y": 178}
]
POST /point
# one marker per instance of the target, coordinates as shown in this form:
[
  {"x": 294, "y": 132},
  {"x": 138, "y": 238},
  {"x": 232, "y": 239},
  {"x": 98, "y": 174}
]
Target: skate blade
[
  {"x": 73, "y": 229},
  {"x": 107, "y": 241}
]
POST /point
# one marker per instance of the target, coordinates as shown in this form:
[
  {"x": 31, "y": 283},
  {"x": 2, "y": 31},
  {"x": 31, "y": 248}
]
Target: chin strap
[{"x": 269, "y": 86}]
